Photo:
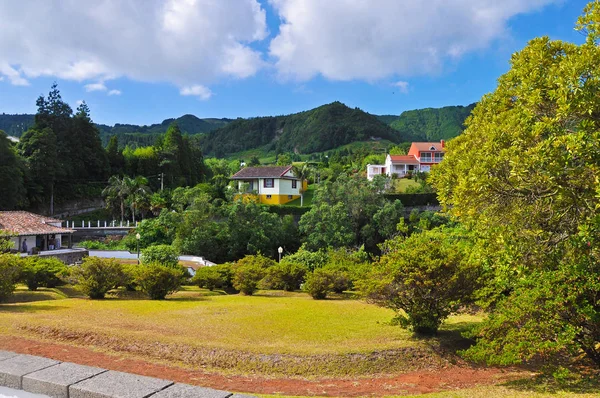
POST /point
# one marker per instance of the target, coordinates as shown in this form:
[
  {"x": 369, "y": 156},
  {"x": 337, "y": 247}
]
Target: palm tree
[
  {"x": 118, "y": 188},
  {"x": 138, "y": 193},
  {"x": 302, "y": 173}
]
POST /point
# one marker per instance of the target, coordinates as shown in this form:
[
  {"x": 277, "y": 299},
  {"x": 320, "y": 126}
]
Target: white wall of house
[
  {"x": 30, "y": 242},
  {"x": 280, "y": 187}
]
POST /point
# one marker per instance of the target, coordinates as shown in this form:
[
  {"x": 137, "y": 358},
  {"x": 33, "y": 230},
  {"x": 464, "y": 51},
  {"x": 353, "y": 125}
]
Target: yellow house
[{"x": 274, "y": 185}]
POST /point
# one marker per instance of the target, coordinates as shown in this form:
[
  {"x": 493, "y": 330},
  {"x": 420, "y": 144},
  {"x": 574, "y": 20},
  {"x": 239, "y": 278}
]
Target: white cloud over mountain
[
  {"x": 194, "y": 43},
  {"x": 375, "y": 39},
  {"x": 182, "y": 42}
]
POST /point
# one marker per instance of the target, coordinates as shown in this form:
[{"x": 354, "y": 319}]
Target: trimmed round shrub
[
  {"x": 319, "y": 283},
  {"x": 161, "y": 254},
  {"x": 249, "y": 271},
  {"x": 209, "y": 278},
  {"x": 96, "y": 276},
  {"x": 286, "y": 275},
  {"x": 157, "y": 280},
  {"x": 10, "y": 266},
  {"x": 43, "y": 272}
]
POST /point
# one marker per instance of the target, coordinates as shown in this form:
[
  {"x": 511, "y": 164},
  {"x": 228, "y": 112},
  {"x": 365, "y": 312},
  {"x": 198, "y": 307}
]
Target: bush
[
  {"x": 158, "y": 280},
  {"x": 319, "y": 283},
  {"x": 340, "y": 281},
  {"x": 44, "y": 272},
  {"x": 162, "y": 254},
  {"x": 249, "y": 271},
  {"x": 286, "y": 275},
  {"x": 424, "y": 278},
  {"x": 9, "y": 272},
  {"x": 211, "y": 278},
  {"x": 96, "y": 276}
]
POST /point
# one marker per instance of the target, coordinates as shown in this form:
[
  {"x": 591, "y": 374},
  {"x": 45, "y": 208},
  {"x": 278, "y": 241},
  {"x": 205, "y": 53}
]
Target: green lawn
[
  {"x": 308, "y": 197},
  {"x": 401, "y": 184},
  {"x": 273, "y": 333}
]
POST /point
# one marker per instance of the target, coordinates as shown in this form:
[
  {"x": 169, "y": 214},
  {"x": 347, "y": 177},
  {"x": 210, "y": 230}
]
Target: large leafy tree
[
  {"x": 302, "y": 172},
  {"x": 525, "y": 175},
  {"x": 39, "y": 147},
  {"x": 12, "y": 186}
]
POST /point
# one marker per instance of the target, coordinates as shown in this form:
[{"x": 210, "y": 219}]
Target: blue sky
[{"x": 244, "y": 58}]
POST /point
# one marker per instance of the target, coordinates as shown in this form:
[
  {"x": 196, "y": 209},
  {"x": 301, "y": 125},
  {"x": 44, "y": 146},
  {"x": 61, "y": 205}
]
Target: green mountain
[
  {"x": 16, "y": 125},
  {"x": 431, "y": 124},
  {"x": 316, "y": 130}
]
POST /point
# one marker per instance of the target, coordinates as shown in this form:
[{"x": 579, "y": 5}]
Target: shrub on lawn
[
  {"x": 10, "y": 266},
  {"x": 44, "y": 272},
  {"x": 162, "y": 254},
  {"x": 424, "y": 277},
  {"x": 158, "y": 280},
  {"x": 96, "y": 276},
  {"x": 249, "y": 271},
  {"x": 286, "y": 275},
  {"x": 215, "y": 277},
  {"x": 319, "y": 283}
]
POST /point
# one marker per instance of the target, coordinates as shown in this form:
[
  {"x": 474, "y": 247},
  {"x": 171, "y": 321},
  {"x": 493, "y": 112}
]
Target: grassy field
[
  {"x": 308, "y": 197},
  {"x": 310, "y": 337},
  {"x": 401, "y": 184}
]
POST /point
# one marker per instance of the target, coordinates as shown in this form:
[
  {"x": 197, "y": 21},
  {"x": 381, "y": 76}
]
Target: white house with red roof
[{"x": 421, "y": 156}]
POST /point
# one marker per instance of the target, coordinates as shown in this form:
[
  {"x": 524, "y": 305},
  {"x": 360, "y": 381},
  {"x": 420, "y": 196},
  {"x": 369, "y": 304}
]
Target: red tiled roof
[
  {"x": 426, "y": 146},
  {"x": 22, "y": 223},
  {"x": 261, "y": 172},
  {"x": 404, "y": 159}
]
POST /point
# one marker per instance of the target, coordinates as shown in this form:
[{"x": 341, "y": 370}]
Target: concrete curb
[{"x": 68, "y": 380}]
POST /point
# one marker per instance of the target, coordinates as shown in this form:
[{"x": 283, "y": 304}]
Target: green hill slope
[
  {"x": 319, "y": 129},
  {"x": 431, "y": 124}
]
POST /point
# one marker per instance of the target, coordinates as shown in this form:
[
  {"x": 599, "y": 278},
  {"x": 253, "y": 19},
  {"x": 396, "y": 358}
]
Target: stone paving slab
[
  {"x": 179, "y": 390},
  {"x": 6, "y": 354},
  {"x": 55, "y": 380},
  {"x": 114, "y": 384},
  {"x": 13, "y": 369}
]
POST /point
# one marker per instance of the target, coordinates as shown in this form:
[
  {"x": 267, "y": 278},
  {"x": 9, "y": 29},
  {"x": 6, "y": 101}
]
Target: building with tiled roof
[
  {"x": 36, "y": 231},
  {"x": 421, "y": 157},
  {"x": 273, "y": 184}
]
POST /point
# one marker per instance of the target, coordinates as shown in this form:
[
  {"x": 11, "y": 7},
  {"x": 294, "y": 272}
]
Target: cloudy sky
[{"x": 141, "y": 61}]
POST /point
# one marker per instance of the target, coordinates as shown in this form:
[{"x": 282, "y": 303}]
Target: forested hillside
[
  {"x": 431, "y": 124},
  {"x": 319, "y": 129},
  {"x": 135, "y": 135}
]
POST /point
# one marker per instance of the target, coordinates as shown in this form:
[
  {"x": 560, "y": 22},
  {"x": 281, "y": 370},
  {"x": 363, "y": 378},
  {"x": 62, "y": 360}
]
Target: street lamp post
[
  {"x": 280, "y": 250},
  {"x": 137, "y": 239}
]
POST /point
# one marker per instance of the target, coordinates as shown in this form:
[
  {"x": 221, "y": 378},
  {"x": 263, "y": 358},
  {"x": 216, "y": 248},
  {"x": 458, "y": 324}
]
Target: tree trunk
[
  {"x": 122, "y": 209},
  {"x": 302, "y": 199},
  {"x": 133, "y": 213}
]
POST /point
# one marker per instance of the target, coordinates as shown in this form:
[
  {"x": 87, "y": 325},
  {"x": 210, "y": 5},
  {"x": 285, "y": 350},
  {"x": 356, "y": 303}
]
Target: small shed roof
[
  {"x": 22, "y": 223},
  {"x": 248, "y": 173}
]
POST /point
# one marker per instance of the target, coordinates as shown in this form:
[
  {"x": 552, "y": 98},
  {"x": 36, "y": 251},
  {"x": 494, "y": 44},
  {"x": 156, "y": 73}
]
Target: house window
[
  {"x": 438, "y": 157},
  {"x": 294, "y": 184},
  {"x": 290, "y": 197},
  {"x": 268, "y": 196},
  {"x": 251, "y": 185},
  {"x": 432, "y": 148},
  {"x": 269, "y": 182}
]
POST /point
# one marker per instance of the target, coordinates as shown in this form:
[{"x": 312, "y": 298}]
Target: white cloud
[
  {"x": 114, "y": 92},
  {"x": 95, "y": 87},
  {"x": 183, "y": 42},
  {"x": 14, "y": 76},
  {"x": 197, "y": 90},
  {"x": 376, "y": 39},
  {"x": 402, "y": 86}
]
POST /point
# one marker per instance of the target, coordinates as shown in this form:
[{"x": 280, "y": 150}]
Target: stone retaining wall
[{"x": 67, "y": 380}]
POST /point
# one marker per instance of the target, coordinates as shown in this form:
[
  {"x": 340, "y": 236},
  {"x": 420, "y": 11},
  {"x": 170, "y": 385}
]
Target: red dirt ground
[{"x": 418, "y": 382}]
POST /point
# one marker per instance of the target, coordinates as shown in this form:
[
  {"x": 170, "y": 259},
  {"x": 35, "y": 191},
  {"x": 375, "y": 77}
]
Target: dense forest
[
  {"x": 431, "y": 124},
  {"x": 320, "y": 129},
  {"x": 129, "y": 134},
  {"x": 324, "y": 128}
]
